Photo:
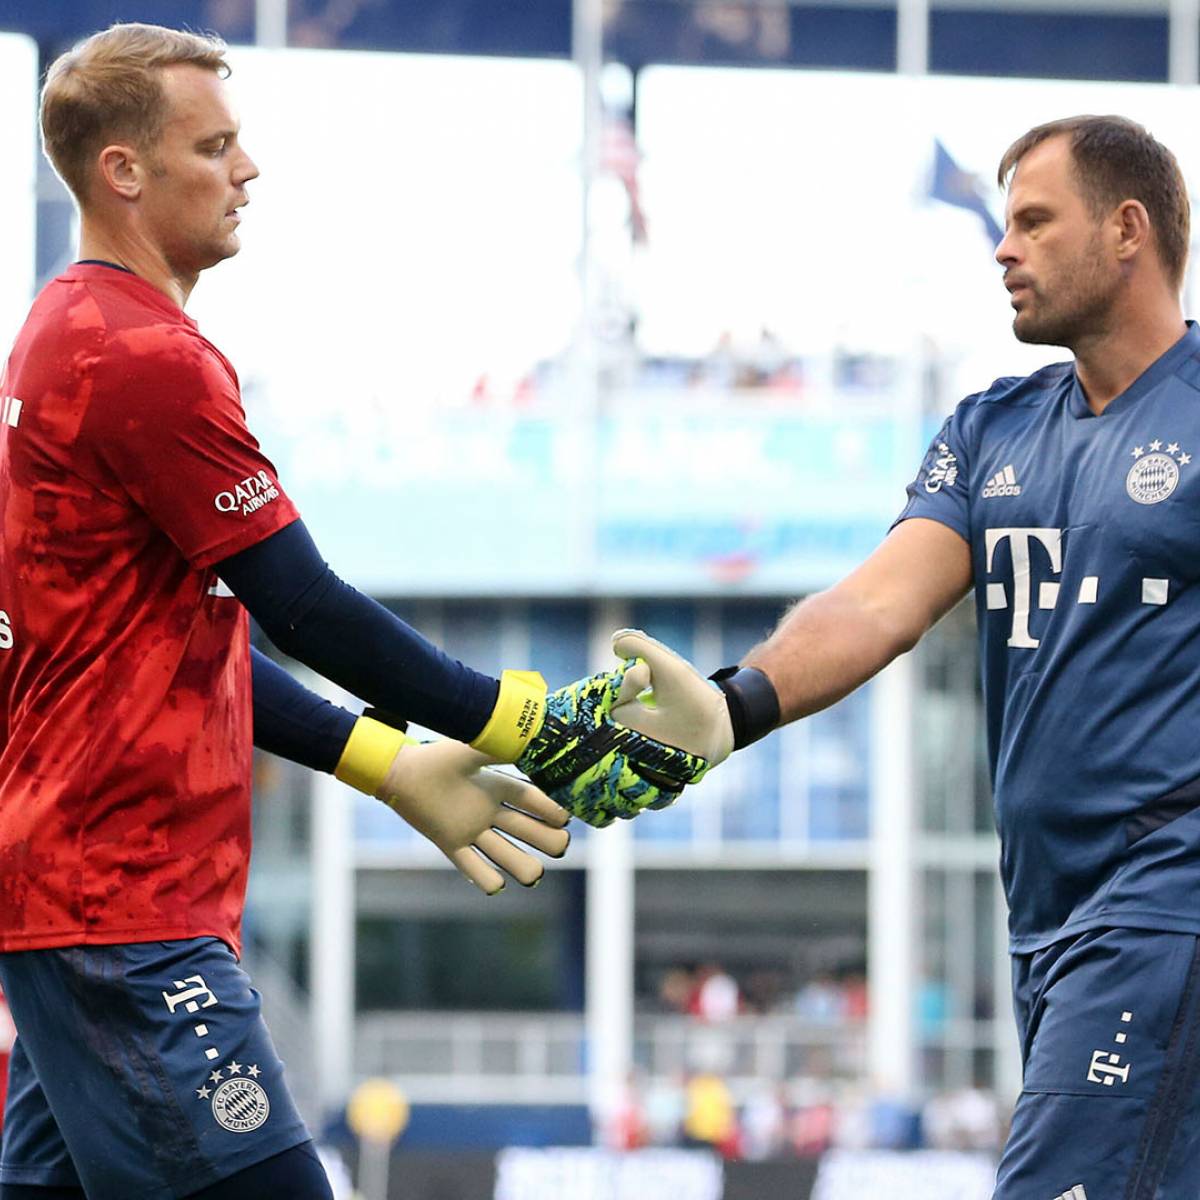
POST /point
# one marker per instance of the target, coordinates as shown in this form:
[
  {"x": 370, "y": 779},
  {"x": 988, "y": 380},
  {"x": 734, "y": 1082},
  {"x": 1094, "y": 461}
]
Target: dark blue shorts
[
  {"x": 1110, "y": 1108},
  {"x": 140, "y": 1072}
]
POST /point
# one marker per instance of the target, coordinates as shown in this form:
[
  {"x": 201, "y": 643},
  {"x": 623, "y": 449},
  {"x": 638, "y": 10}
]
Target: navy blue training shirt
[{"x": 1085, "y": 544}]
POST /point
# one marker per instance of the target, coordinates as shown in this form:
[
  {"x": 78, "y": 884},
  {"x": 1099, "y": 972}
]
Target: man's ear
[
  {"x": 1132, "y": 226},
  {"x": 121, "y": 170}
]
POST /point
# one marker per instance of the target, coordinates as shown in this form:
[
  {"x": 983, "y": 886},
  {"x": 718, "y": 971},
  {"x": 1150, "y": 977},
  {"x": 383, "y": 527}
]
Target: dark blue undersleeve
[
  {"x": 311, "y": 614},
  {"x": 295, "y": 723}
]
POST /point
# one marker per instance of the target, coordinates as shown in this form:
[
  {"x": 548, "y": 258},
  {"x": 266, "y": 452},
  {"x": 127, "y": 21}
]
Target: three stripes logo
[
  {"x": 1076, "y": 1193},
  {"x": 10, "y": 411},
  {"x": 1003, "y": 483}
]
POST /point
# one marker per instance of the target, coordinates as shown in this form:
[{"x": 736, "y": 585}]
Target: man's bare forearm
[
  {"x": 836, "y": 640},
  {"x": 826, "y": 646}
]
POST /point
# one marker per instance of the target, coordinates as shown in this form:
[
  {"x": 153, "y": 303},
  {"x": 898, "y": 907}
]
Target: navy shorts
[
  {"x": 140, "y": 1072},
  {"x": 1110, "y": 1034}
]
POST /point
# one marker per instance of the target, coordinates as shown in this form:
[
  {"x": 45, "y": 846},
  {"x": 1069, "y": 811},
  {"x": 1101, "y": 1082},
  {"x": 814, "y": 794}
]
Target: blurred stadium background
[{"x": 559, "y": 317}]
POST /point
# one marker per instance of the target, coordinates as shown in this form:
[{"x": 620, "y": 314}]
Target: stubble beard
[{"x": 1085, "y": 294}]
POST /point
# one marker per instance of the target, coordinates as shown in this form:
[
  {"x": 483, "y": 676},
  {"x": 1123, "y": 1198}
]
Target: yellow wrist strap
[
  {"x": 518, "y": 715},
  {"x": 368, "y": 754}
]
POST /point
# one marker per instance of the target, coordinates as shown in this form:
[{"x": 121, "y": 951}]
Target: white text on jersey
[
  {"x": 10, "y": 411},
  {"x": 248, "y": 496}
]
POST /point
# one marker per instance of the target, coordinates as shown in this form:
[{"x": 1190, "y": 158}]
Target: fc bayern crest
[
  {"x": 240, "y": 1105},
  {"x": 1155, "y": 473}
]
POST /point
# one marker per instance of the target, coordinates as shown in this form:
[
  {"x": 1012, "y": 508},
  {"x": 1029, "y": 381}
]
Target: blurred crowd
[
  {"x": 763, "y": 369},
  {"x": 709, "y": 992},
  {"x": 822, "y": 1107},
  {"x": 800, "y": 1119}
]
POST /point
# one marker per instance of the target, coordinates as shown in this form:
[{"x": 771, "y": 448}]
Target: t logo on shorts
[{"x": 189, "y": 997}]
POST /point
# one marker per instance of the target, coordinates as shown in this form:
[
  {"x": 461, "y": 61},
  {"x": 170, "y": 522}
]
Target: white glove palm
[
  {"x": 684, "y": 709},
  {"x": 443, "y": 791}
]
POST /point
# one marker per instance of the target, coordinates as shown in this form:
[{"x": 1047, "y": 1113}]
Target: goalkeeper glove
[
  {"x": 708, "y": 719},
  {"x": 568, "y": 744},
  {"x": 597, "y": 768},
  {"x": 444, "y": 792}
]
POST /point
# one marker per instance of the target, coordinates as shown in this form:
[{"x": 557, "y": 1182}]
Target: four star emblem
[
  {"x": 234, "y": 1068},
  {"x": 1172, "y": 450}
]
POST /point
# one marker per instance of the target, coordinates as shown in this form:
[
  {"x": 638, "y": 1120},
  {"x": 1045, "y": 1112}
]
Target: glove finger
[
  {"x": 480, "y": 872},
  {"x": 672, "y": 677},
  {"x": 538, "y": 804},
  {"x": 637, "y": 680},
  {"x": 540, "y": 836},
  {"x": 524, "y": 868},
  {"x": 518, "y": 794}
]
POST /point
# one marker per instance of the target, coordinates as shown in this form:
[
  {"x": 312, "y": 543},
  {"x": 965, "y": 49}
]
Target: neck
[
  {"x": 127, "y": 249},
  {"x": 1107, "y": 362}
]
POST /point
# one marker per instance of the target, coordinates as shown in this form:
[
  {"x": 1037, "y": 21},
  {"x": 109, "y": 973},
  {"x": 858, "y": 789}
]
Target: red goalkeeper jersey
[{"x": 126, "y": 471}]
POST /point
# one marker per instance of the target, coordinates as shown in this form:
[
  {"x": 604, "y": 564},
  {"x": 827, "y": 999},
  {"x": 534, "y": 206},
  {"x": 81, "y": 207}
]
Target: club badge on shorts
[{"x": 239, "y": 1102}]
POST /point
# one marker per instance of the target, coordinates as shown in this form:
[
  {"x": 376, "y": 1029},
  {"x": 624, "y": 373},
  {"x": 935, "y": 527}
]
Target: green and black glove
[{"x": 570, "y": 747}]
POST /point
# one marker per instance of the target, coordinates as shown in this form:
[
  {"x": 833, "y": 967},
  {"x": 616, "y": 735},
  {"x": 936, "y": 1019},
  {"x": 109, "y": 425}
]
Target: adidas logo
[
  {"x": 1076, "y": 1193},
  {"x": 1003, "y": 483}
]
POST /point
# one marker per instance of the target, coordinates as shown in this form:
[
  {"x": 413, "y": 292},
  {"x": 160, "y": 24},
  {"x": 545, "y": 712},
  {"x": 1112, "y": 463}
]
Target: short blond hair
[{"x": 109, "y": 88}]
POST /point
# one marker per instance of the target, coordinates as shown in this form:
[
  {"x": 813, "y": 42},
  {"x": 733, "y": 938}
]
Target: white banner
[
  {"x": 593, "y": 1174},
  {"x": 916, "y": 1175}
]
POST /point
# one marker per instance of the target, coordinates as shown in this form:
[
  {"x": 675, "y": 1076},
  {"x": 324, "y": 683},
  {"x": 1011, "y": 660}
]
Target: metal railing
[{"x": 542, "y": 1058}]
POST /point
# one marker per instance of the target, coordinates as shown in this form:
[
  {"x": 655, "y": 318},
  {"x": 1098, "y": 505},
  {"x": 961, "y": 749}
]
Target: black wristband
[
  {"x": 386, "y": 718},
  {"x": 753, "y": 703}
]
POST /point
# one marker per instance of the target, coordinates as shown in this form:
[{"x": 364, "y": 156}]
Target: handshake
[{"x": 609, "y": 745}]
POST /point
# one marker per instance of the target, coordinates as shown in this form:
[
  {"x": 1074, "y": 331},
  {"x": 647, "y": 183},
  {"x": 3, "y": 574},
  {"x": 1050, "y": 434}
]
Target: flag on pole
[{"x": 952, "y": 185}]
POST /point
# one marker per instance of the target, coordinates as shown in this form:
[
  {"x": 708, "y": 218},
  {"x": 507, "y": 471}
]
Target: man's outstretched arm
[
  {"x": 442, "y": 789},
  {"x": 834, "y": 641},
  {"x": 824, "y": 648},
  {"x": 565, "y": 741}
]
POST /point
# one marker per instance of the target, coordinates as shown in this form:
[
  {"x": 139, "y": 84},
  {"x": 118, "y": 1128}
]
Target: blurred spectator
[
  {"x": 764, "y": 1124},
  {"x": 821, "y": 1001},
  {"x": 967, "y": 1119},
  {"x": 811, "y": 1127},
  {"x": 626, "y": 1127},
  {"x": 854, "y": 990},
  {"x": 665, "y": 1108},
  {"x": 852, "y": 1121},
  {"x": 715, "y": 995},
  {"x": 933, "y": 1006},
  {"x": 720, "y": 369},
  {"x": 762, "y": 990},
  {"x": 894, "y": 1124},
  {"x": 675, "y": 990},
  {"x": 709, "y": 1119}
]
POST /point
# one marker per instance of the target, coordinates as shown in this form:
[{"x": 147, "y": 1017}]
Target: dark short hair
[{"x": 1116, "y": 159}]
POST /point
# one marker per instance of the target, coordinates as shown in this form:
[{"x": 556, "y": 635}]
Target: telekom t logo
[{"x": 1022, "y": 584}]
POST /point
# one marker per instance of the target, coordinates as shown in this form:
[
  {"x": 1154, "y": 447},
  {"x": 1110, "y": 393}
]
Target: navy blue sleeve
[
  {"x": 941, "y": 490},
  {"x": 311, "y": 614},
  {"x": 295, "y": 723}
]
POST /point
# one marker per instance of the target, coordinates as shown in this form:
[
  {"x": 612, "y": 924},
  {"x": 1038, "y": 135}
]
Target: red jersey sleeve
[{"x": 165, "y": 425}]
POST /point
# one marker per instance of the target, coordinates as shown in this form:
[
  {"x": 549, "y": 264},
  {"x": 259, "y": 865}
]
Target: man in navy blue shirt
[{"x": 1069, "y": 501}]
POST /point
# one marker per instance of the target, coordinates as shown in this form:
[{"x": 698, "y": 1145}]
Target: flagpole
[
  {"x": 270, "y": 22},
  {"x": 912, "y": 37},
  {"x": 1183, "y": 51}
]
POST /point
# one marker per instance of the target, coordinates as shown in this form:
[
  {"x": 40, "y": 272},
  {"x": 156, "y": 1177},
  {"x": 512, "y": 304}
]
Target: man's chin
[
  {"x": 226, "y": 248},
  {"x": 1033, "y": 332}
]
